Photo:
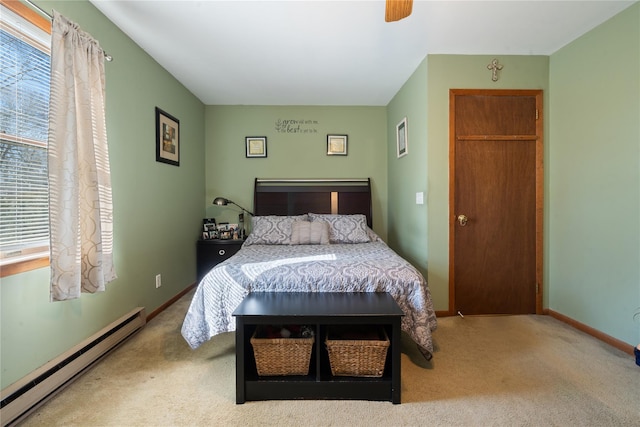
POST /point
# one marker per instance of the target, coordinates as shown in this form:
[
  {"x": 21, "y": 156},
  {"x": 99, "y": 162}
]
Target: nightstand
[{"x": 212, "y": 252}]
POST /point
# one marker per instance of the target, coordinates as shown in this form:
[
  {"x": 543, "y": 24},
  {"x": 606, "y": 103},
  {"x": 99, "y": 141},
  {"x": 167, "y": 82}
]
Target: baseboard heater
[{"x": 28, "y": 393}]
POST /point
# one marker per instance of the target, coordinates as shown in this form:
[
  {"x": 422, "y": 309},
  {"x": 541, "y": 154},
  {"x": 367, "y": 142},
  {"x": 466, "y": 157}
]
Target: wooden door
[{"x": 496, "y": 201}]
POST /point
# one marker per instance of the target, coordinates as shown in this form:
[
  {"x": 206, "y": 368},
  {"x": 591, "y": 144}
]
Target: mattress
[{"x": 362, "y": 267}]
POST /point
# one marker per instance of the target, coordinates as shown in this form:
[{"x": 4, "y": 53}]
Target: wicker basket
[
  {"x": 282, "y": 356},
  {"x": 357, "y": 357}
]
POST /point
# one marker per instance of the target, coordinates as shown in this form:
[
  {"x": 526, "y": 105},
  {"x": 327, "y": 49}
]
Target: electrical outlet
[{"x": 158, "y": 280}]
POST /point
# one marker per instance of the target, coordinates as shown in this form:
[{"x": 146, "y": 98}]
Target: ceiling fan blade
[{"x": 397, "y": 10}]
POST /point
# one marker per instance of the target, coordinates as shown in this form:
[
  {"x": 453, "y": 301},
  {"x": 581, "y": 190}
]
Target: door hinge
[
  {"x": 537, "y": 114},
  {"x": 537, "y": 288}
]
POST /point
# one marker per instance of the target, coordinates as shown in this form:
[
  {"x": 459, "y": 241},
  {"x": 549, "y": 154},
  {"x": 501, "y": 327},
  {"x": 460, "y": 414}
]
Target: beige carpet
[{"x": 486, "y": 371}]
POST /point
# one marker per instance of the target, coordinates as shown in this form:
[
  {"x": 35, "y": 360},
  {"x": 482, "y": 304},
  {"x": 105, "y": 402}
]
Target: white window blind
[{"x": 24, "y": 106}]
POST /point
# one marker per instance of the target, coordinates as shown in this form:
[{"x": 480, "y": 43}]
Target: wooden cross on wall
[{"x": 494, "y": 67}]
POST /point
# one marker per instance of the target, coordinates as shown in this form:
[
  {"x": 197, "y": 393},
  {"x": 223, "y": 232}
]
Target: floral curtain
[{"x": 80, "y": 206}]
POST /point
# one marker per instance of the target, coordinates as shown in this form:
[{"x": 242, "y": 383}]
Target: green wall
[
  {"x": 157, "y": 210},
  {"x": 294, "y": 151},
  {"x": 593, "y": 239},
  {"x": 407, "y": 231},
  {"x": 427, "y": 163}
]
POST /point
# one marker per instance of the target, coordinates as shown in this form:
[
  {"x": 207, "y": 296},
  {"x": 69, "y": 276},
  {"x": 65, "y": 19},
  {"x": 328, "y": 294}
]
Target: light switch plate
[{"x": 420, "y": 198}]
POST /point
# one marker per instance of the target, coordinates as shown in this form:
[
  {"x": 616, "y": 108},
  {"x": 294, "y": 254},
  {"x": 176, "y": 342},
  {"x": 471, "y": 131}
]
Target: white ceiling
[{"x": 335, "y": 52}]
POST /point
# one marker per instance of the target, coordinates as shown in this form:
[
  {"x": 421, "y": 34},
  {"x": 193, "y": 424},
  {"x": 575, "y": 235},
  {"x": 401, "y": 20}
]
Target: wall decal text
[{"x": 296, "y": 126}]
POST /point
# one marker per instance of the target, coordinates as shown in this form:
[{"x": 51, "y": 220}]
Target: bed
[{"x": 310, "y": 236}]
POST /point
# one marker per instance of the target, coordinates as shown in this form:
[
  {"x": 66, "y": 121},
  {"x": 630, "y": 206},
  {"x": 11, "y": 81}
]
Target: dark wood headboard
[{"x": 321, "y": 196}]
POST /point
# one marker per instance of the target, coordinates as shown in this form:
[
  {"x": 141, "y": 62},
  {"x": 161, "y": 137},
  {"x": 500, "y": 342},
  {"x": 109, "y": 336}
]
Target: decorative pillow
[
  {"x": 309, "y": 233},
  {"x": 272, "y": 229},
  {"x": 345, "y": 228}
]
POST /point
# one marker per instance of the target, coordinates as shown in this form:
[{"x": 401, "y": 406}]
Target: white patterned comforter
[{"x": 364, "y": 267}]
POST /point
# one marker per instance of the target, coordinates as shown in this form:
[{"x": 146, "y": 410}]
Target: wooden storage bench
[{"x": 320, "y": 310}]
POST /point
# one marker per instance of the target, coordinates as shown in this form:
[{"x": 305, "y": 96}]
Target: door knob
[{"x": 462, "y": 220}]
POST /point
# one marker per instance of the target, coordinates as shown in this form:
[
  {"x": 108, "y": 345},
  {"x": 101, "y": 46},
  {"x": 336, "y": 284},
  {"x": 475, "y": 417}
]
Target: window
[{"x": 24, "y": 106}]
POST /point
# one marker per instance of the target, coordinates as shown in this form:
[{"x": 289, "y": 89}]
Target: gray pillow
[
  {"x": 344, "y": 228},
  {"x": 309, "y": 233},
  {"x": 272, "y": 229}
]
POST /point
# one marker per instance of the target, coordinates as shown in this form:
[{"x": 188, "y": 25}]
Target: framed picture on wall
[
  {"x": 256, "y": 146},
  {"x": 401, "y": 138},
  {"x": 167, "y": 138},
  {"x": 337, "y": 145}
]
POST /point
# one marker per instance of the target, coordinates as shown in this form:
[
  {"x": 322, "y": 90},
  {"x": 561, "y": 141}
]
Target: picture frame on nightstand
[{"x": 209, "y": 229}]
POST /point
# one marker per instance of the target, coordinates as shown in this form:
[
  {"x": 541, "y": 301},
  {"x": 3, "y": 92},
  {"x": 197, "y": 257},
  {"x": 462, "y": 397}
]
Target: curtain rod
[{"x": 48, "y": 15}]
